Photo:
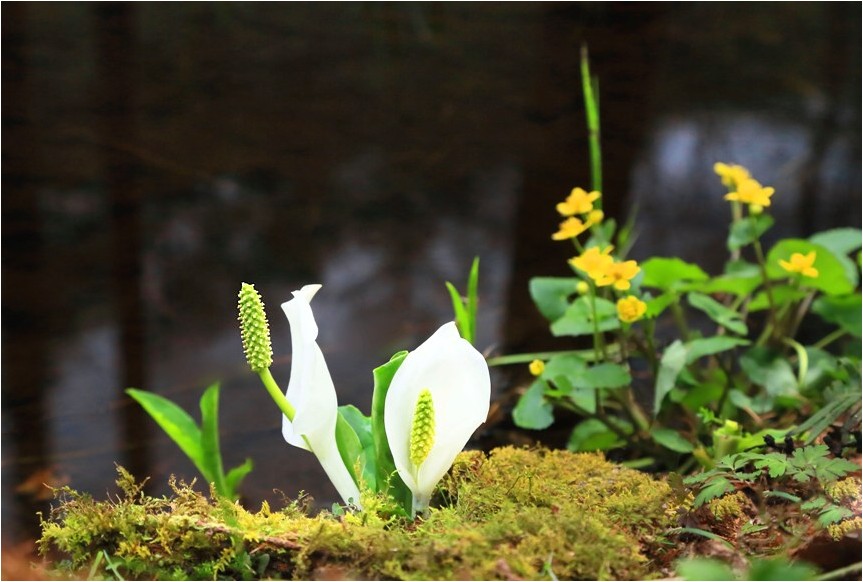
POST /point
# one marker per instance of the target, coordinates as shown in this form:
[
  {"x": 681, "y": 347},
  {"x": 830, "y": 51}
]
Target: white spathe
[
  {"x": 312, "y": 394},
  {"x": 457, "y": 376}
]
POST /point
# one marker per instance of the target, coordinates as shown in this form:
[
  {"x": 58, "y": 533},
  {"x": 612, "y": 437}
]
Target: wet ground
[{"x": 156, "y": 156}]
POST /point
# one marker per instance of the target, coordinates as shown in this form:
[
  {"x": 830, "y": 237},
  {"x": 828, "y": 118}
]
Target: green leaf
[
  {"x": 715, "y": 488},
  {"x": 605, "y": 375},
  {"x": 551, "y": 295},
  {"x": 705, "y": 569},
  {"x": 843, "y": 311},
  {"x": 350, "y": 449},
  {"x": 698, "y": 348},
  {"x": 458, "y": 308},
  {"x": 176, "y": 423},
  {"x": 657, "y": 305},
  {"x": 833, "y": 514},
  {"x": 210, "y": 439},
  {"x": 775, "y": 463},
  {"x": 814, "y": 503},
  {"x": 727, "y": 318},
  {"x": 533, "y": 411},
  {"x": 842, "y": 241},
  {"x": 748, "y": 230},
  {"x": 384, "y": 464},
  {"x": 669, "y": 273},
  {"x": 593, "y": 435},
  {"x": 672, "y": 362},
  {"x": 735, "y": 284},
  {"x": 769, "y": 369},
  {"x": 832, "y": 278},
  {"x": 782, "y": 495},
  {"x": 236, "y": 475},
  {"x": 781, "y": 569},
  {"x": 671, "y": 440},
  {"x": 362, "y": 427},
  {"x": 781, "y": 294},
  {"x": 578, "y": 318},
  {"x": 566, "y": 373},
  {"x": 473, "y": 297}
]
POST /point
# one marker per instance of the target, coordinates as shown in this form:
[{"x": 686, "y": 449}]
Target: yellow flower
[
  {"x": 595, "y": 217},
  {"x": 751, "y": 192},
  {"x": 570, "y": 228},
  {"x": 801, "y": 263},
  {"x": 619, "y": 275},
  {"x": 536, "y": 367},
  {"x": 578, "y": 202},
  {"x": 593, "y": 261},
  {"x": 630, "y": 308},
  {"x": 731, "y": 174}
]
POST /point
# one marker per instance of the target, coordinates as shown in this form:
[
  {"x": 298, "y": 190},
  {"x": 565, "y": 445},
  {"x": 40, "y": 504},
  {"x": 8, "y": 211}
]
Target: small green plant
[
  {"x": 759, "y": 569},
  {"x": 465, "y": 308},
  {"x": 199, "y": 443},
  {"x": 735, "y": 358},
  {"x": 803, "y": 477}
]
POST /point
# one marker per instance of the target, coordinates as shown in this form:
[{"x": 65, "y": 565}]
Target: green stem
[
  {"x": 829, "y": 338},
  {"x": 588, "y": 355},
  {"x": 762, "y": 266},
  {"x": 598, "y": 343},
  {"x": 276, "y": 394},
  {"x": 679, "y": 318},
  {"x": 841, "y": 573}
]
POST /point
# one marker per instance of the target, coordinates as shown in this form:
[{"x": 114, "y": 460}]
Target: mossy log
[{"x": 512, "y": 514}]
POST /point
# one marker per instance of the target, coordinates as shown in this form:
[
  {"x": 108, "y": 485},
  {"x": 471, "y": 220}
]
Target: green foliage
[
  {"x": 759, "y": 569},
  {"x": 465, "y": 308},
  {"x": 499, "y": 516},
  {"x": 201, "y": 445}
]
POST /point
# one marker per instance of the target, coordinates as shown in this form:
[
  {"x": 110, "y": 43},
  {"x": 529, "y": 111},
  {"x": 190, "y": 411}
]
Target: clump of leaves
[{"x": 805, "y": 478}]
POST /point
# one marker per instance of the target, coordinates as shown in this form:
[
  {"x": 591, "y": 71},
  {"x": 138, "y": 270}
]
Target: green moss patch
[{"x": 515, "y": 513}]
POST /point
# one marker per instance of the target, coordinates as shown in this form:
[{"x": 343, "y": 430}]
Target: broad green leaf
[
  {"x": 705, "y": 569},
  {"x": 672, "y": 362},
  {"x": 236, "y": 475},
  {"x": 748, "y": 230},
  {"x": 727, "y": 318},
  {"x": 384, "y": 464},
  {"x": 669, "y": 273},
  {"x": 350, "y": 449},
  {"x": 843, "y": 311},
  {"x": 176, "y": 423},
  {"x": 593, "y": 435},
  {"x": 551, "y": 295},
  {"x": 781, "y": 295},
  {"x": 565, "y": 372},
  {"x": 698, "y": 348},
  {"x": 781, "y": 569},
  {"x": 533, "y": 411},
  {"x": 605, "y": 375},
  {"x": 671, "y": 440},
  {"x": 734, "y": 284},
  {"x": 832, "y": 278},
  {"x": 769, "y": 369},
  {"x": 578, "y": 318},
  {"x": 210, "y": 439},
  {"x": 656, "y": 305},
  {"x": 841, "y": 242}
]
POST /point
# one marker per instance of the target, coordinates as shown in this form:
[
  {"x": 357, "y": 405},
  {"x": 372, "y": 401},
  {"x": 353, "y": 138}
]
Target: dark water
[{"x": 156, "y": 156}]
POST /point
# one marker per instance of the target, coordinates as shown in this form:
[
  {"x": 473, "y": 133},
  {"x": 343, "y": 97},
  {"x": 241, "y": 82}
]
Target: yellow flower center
[{"x": 422, "y": 429}]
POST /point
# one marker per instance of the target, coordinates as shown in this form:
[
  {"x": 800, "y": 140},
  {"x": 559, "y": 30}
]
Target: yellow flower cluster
[
  {"x": 743, "y": 187},
  {"x": 599, "y": 265},
  {"x": 801, "y": 263},
  {"x": 578, "y": 202}
]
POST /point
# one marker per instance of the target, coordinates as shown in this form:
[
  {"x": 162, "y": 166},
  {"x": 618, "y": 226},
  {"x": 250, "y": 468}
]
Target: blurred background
[{"x": 155, "y": 156}]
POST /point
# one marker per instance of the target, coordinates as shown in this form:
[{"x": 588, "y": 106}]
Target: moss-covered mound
[{"x": 516, "y": 513}]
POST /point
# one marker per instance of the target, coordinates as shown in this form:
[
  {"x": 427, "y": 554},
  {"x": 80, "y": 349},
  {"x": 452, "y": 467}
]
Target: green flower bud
[
  {"x": 254, "y": 329},
  {"x": 422, "y": 429}
]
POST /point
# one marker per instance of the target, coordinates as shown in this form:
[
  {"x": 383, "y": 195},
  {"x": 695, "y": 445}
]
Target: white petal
[{"x": 457, "y": 377}]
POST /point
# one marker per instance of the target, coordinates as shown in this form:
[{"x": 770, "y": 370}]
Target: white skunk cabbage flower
[
  {"x": 436, "y": 400},
  {"x": 313, "y": 395}
]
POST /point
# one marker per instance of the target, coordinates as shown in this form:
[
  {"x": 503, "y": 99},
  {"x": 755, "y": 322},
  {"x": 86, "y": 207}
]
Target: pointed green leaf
[
  {"x": 672, "y": 362},
  {"x": 210, "y": 438},
  {"x": 384, "y": 464},
  {"x": 235, "y": 477},
  {"x": 473, "y": 298},
  {"x": 176, "y": 423},
  {"x": 461, "y": 318},
  {"x": 362, "y": 428},
  {"x": 727, "y": 318},
  {"x": 698, "y": 348},
  {"x": 671, "y": 440}
]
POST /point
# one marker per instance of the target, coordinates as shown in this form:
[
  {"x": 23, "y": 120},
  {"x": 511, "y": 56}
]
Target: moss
[
  {"x": 516, "y": 513},
  {"x": 727, "y": 506}
]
